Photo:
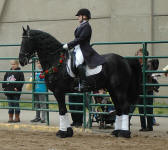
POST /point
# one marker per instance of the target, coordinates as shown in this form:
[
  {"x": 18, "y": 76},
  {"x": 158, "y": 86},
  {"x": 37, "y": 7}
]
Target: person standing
[
  {"x": 11, "y": 77},
  {"x": 84, "y": 53},
  {"x": 146, "y": 122},
  {"x": 40, "y": 97}
]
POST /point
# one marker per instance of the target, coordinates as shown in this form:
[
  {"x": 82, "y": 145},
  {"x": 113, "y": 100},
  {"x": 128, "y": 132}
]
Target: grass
[
  {"x": 28, "y": 105},
  {"x": 158, "y": 111}
]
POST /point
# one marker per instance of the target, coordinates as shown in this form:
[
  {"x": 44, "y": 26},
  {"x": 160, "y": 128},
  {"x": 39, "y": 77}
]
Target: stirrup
[{"x": 82, "y": 87}]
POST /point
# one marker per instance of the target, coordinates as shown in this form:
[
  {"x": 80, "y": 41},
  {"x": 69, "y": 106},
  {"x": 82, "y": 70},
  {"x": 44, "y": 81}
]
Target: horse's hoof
[
  {"x": 124, "y": 133},
  {"x": 69, "y": 132},
  {"x": 61, "y": 134},
  {"x": 101, "y": 125},
  {"x": 115, "y": 133},
  {"x": 58, "y": 133}
]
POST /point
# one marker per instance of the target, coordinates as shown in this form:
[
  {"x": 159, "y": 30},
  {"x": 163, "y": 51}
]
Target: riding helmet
[{"x": 84, "y": 12}]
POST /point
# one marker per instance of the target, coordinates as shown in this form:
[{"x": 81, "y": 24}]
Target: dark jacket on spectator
[{"x": 12, "y": 77}]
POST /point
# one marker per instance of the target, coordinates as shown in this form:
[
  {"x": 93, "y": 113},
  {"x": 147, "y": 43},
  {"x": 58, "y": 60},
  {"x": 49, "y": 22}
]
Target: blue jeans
[{"x": 13, "y": 104}]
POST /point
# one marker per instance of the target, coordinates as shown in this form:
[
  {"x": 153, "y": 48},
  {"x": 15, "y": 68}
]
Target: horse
[{"x": 118, "y": 76}]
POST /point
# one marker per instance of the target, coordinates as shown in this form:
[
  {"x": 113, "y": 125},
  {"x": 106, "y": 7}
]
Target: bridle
[{"x": 27, "y": 55}]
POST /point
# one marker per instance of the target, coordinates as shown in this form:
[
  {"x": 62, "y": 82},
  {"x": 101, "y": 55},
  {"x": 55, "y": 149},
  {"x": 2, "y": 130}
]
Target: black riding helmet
[{"x": 84, "y": 12}]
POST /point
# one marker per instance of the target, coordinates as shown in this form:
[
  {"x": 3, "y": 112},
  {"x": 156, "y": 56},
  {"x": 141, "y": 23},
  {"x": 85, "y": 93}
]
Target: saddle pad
[{"x": 89, "y": 71}]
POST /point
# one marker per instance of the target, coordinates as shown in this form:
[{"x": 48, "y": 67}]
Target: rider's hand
[{"x": 65, "y": 46}]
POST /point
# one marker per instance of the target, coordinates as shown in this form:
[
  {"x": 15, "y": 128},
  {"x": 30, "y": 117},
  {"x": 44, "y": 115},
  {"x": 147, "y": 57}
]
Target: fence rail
[{"x": 90, "y": 95}]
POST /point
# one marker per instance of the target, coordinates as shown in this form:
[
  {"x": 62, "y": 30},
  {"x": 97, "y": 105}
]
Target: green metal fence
[
  {"x": 90, "y": 95},
  {"x": 144, "y": 83},
  {"x": 31, "y": 102}
]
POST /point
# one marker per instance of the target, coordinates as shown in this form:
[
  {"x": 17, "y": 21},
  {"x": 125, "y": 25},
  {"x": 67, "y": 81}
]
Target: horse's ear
[
  {"x": 28, "y": 28},
  {"x": 24, "y": 30}
]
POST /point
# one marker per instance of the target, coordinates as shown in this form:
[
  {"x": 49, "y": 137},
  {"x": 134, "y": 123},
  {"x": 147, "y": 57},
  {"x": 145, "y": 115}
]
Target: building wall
[{"x": 113, "y": 20}]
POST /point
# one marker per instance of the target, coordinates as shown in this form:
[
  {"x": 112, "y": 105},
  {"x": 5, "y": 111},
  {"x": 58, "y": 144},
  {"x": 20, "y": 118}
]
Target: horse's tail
[{"x": 136, "y": 80}]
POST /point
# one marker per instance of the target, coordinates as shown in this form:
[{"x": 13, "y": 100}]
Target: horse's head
[
  {"x": 38, "y": 41},
  {"x": 27, "y": 49}
]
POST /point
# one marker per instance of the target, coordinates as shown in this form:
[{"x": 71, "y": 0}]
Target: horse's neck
[
  {"x": 47, "y": 49},
  {"x": 46, "y": 60},
  {"x": 52, "y": 59}
]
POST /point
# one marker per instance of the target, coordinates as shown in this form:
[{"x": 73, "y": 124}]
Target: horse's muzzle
[{"x": 23, "y": 60}]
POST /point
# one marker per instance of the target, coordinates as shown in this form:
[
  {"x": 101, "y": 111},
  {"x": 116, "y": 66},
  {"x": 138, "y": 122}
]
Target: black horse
[{"x": 119, "y": 77}]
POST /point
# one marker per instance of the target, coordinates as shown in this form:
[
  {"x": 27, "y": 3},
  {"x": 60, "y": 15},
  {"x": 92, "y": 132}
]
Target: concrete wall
[
  {"x": 113, "y": 20},
  {"x": 159, "y": 31}
]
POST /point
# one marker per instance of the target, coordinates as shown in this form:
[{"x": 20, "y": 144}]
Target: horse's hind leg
[
  {"x": 124, "y": 121},
  {"x": 65, "y": 128},
  {"x": 122, "y": 118}
]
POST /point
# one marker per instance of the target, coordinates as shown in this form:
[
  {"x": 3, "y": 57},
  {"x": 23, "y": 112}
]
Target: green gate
[
  {"x": 50, "y": 104},
  {"x": 144, "y": 83}
]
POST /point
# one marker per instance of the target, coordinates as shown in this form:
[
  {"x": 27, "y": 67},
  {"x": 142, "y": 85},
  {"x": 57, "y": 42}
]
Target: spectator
[
  {"x": 104, "y": 119},
  {"x": 12, "y": 86},
  {"x": 146, "y": 126},
  {"x": 77, "y": 118},
  {"x": 40, "y": 97},
  {"x": 103, "y": 100}
]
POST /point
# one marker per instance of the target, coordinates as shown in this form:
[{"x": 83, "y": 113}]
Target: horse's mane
[{"x": 45, "y": 40}]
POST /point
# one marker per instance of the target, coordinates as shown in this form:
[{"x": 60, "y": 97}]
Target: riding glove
[{"x": 65, "y": 46}]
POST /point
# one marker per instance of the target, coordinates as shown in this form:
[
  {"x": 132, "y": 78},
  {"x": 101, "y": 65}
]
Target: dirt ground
[{"x": 37, "y": 140}]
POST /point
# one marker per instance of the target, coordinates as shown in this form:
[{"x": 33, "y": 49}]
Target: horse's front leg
[
  {"x": 122, "y": 128},
  {"x": 65, "y": 128}
]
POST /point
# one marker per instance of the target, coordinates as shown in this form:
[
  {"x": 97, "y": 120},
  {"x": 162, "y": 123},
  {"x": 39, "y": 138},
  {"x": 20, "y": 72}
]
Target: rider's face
[{"x": 80, "y": 18}]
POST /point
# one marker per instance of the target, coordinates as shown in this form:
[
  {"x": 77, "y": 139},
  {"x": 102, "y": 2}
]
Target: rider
[{"x": 84, "y": 53}]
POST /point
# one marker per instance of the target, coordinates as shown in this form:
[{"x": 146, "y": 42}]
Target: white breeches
[{"x": 78, "y": 55}]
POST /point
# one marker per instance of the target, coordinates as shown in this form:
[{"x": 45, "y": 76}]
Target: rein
[{"x": 57, "y": 50}]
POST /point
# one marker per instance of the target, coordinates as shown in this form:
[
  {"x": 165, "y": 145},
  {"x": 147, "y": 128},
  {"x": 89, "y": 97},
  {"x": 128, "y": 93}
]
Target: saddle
[
  {"x": 73, "y": 71},
  {"x": 89, "y": 72}
]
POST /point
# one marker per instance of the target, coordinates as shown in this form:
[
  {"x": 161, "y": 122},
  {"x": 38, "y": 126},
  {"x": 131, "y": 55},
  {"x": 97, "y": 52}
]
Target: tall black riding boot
[{"x": 83, "y": 83}]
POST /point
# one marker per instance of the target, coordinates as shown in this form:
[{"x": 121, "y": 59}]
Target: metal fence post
[
  {"x": 47, "y": 107},
  {"x": 84, "y": 110},
  {"x": 144, "y": 67},
  {"x": 90, "y": 109},
  {"x": 33, "y": 84}
]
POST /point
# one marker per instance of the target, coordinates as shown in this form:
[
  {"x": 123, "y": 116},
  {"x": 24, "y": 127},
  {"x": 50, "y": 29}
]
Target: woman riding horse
[
  {"x": 119, "y": 76},
  {"x": 84, "y": 53}
]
